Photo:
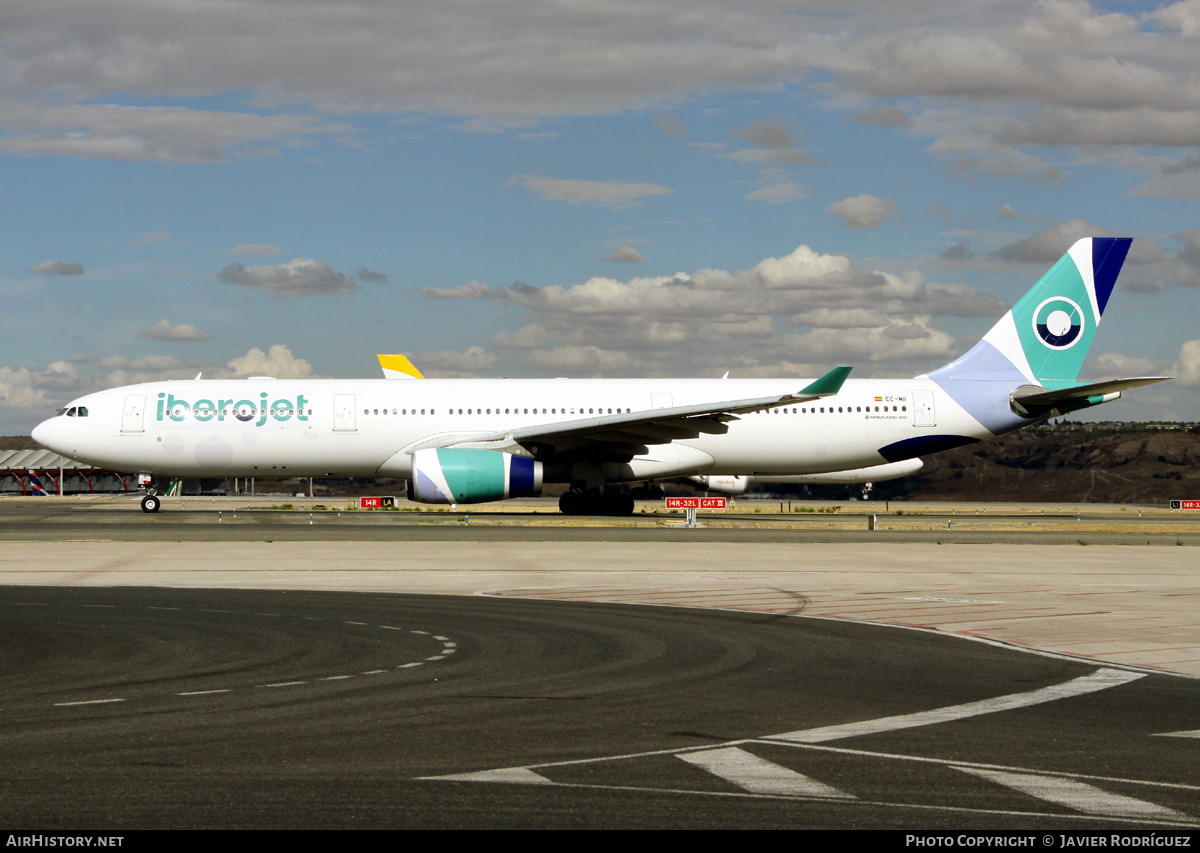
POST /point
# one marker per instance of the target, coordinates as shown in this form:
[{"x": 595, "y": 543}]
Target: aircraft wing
[
  {"x": 1035, "y": 401},
  {"x": 627, "y": 434}
]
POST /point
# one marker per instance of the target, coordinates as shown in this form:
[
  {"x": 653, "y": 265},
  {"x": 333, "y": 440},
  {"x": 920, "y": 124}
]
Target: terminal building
[{"x": 22, "y": 469}]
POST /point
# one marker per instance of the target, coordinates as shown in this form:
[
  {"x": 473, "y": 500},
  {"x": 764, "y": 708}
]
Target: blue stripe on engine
[{"x": 520, "y": 477}]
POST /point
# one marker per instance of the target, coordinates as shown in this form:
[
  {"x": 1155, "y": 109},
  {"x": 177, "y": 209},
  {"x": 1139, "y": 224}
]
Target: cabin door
[
  {"x": 132, "y": 414},
  {"x": 343, "y": 413}
]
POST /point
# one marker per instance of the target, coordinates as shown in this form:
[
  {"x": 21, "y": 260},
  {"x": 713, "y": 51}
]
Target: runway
[
  {"x": 200, "y": 708},
  {"x": 574, "y": 678}
]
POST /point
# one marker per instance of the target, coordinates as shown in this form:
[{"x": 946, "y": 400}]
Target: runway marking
[
  {"x": 759, "y": 776},
  {"x": 1193, "y": 733},
  {"x": 448, "y": 649},
  {"x": 512, "y": 775},
  {"x": 1101, "y": 679},
  {"x": 1076, "y": 795},
  {"x": 1061, "y": 789}
]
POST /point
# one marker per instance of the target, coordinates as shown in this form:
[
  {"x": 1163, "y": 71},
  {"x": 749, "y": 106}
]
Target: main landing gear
[{"x": 594, "y": 502}]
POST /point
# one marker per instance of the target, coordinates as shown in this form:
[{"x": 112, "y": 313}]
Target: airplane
[
  {"x": 463, "y": 441},
  {"x": 398, "y": 366}
]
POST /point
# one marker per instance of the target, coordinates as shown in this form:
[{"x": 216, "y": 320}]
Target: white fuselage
[{"x": 368, "y": 427}]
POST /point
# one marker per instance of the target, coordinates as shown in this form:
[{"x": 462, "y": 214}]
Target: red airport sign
[
  {"x": 696, "y": 503},
  {"x": 1185, "y": 504},
  {"x": 385, "y": 502}
]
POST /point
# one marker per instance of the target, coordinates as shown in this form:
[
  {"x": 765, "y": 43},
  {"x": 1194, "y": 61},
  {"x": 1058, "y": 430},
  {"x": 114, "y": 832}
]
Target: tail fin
[
  {"x": 1044, "y": 339},
  {"x": 398, "y": 367},
  {"x": 35, "y": 485}
]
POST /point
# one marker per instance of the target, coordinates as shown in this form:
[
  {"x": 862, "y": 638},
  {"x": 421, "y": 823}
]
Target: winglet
[
  {"x": 398, "y": 367},
  {"x": 827, "y": 385}
]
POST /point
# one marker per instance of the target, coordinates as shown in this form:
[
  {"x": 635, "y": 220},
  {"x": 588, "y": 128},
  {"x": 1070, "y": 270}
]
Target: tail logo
[{"x": 1058, "y": 323}]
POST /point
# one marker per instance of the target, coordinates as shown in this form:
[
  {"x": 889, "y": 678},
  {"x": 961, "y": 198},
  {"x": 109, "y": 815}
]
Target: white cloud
[
  {"x": 626, "y": 254},
  {"x": 886, "y": 114},
  {"x": 57, "y": 268},
  {"x": 1048, "y": 245},
  {"x": 372, "y": 276},
  {"x": 777, "y": 191},
  {"x": 254, "y": 250},
  {"x": 278, "y": 362},
  {"x": 452, "y": 363},
  {"x": 298, "y": 277},
  {"x": 668, "y": 124},
  {"x": 162, "y": 134},
  {"x": 802, "y": 308},
  {"x": 765, "y": 134},
  {"x": 864, "y": 211},
  {"x": 1183, "y": 16},
  {"x": 163, "y": 330},
  {"x": 615, "y": 195}
]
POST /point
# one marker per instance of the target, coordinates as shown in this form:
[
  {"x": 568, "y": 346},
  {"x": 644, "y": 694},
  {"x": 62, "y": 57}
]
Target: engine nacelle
[
  {"x": 452, "y": 475},
  {"x": 726, "y": 484}
]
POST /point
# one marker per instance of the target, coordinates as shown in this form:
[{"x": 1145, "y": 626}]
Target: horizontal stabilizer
[{"x": 1032, "y": 401}]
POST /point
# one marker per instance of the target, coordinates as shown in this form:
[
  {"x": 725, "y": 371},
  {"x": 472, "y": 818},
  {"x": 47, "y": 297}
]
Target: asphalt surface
[
  {"x": 141, "y": 708},
  {"x": 225, "y": 520}
]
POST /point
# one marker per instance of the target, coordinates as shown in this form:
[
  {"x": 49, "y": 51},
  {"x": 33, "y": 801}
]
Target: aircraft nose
[{"x": 45, "y": 433}]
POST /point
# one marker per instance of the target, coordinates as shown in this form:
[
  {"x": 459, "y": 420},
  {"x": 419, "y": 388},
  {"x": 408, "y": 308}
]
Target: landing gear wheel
[
  {"x": 571, "y": 503},
  {"x": 151, "y": 503},
  {"x": 616, "y": 505}
]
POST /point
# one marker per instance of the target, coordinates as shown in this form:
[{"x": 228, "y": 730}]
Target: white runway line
[
  {"x": 1076, "y": 795},
  {"x": 1100, "y": 680},
  {"x": 759, "y": 776},
  {"x": 512, "y": 775}
]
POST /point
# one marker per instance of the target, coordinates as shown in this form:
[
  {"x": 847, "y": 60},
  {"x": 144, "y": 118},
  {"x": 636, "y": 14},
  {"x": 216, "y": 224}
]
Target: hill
[{"x": 1071, "y": 462}]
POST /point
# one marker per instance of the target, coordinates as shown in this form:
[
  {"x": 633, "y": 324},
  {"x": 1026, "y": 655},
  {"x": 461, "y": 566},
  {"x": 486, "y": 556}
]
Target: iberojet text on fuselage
[{"x": 179, "y": 410}]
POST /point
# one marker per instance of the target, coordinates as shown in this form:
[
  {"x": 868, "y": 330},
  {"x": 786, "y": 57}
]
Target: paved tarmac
[
  {"x": 180, "y": 670},
  {"x": 130, "y": 708}
]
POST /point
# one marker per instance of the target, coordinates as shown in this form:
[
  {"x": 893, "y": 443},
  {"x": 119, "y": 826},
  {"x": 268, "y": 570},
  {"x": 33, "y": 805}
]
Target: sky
[{"x": 584, "y": 188}]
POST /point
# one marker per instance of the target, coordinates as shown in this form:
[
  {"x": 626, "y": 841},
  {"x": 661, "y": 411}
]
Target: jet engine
[
  {"x": 452, "y": 475},
  {"x": 726, "y": 484}
]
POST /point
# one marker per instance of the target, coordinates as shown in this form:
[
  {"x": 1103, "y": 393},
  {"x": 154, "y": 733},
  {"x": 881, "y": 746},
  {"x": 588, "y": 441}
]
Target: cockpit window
[
  {"x": 71, "y": 412},
  {"x": 60, "y": 412},
  {"x": 83, "y": 411}
]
